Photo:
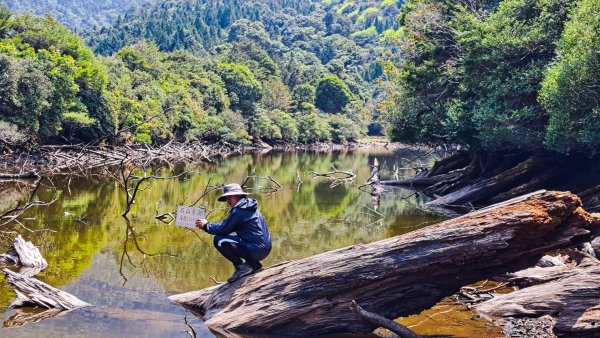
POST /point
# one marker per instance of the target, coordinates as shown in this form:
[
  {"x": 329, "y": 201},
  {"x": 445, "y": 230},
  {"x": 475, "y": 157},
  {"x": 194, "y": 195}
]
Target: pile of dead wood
[
  {"x": 400, "y": 276},
  {"x": 53, "y": 159},
  {"x": 32, "y": 292},
  {"x": 465, "y": 182}
]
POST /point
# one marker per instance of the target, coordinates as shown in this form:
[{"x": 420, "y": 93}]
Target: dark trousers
[{"x": 234, "y": 249}]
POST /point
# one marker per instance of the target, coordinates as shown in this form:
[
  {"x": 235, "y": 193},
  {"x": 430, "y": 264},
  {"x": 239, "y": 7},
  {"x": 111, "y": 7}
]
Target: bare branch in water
[
  {"x": 269, "y": 188},
  {"x": 13, "y": 214},
  {"x": 336, "y": 176}
]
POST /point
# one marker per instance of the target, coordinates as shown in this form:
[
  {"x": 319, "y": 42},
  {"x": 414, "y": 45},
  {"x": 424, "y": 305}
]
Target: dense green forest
[
  {"x": 487, "y": 75},
  {"x": 498, "y": 76},
  {"x": 77, "y": 15},
  {"x": 237, "y": 71}
]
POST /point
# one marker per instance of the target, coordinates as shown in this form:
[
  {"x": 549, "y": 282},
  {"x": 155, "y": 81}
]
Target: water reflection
[{"x": 128, "y": 267}]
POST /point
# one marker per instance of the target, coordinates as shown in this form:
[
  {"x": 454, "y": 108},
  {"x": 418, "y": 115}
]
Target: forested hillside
[
  {"x": 515, "y": 75},
  {"x": 290, "y": 76},
  {"x": 78, "y": 15}
]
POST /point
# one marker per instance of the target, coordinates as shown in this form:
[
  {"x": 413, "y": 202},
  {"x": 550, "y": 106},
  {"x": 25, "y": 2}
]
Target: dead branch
[
  {"x": 14, "y": 213},
  {"x": 336, "y": 176},
  {"x": 397, "y": 328},
  {"x": 271, "y": 187}
]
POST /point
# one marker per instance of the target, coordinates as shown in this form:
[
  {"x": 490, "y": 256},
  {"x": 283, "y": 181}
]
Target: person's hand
[{"x": 201, "y": 223}]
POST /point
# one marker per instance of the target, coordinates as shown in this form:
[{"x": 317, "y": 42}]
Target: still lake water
[{"x": 92, "y": 254}]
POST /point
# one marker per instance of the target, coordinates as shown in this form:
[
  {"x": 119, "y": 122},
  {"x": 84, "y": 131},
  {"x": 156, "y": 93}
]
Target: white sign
[{"x": 187, "y": 216}]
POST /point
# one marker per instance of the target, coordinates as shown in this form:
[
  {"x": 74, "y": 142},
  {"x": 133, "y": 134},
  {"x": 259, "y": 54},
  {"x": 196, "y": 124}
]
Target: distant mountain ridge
[
  {"x": 199, "y": 24},
  {"x": 78, "y": 15}
]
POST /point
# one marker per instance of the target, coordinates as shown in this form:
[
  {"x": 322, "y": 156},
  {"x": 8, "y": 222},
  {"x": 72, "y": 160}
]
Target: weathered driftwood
[
  {"x": 26, "y": 256},
  {"x": 32, "y": 292},
  {"x": 570, "y": 293},
  {"x": 395, "y": 277}
]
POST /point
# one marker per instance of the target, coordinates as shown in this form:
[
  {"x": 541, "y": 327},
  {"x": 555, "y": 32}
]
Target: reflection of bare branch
[
  {"x": 337, "y": 177},
  {"x": 270, "y": 188},
  {"x": 191, "y": 332},
  {"x": 298, "y": 181},
  {"x": 130, "y": 233},
  {"x": 379, "y": 217},
  {"x": 12, "y": 214}
]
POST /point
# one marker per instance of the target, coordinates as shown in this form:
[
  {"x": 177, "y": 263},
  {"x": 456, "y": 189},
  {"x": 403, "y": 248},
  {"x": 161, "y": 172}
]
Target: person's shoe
[
  {"x": 240, "y": 271},
  {"x": 256, "y": 267}
]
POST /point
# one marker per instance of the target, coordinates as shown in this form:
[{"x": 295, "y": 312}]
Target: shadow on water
[{"x": 126, "y": 267}]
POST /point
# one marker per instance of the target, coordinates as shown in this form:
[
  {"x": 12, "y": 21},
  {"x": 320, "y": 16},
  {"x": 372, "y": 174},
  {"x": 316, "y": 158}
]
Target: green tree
[
  {"x": 242, "y": 87},
  {"x": 570, "y": 88},
  {"x": 304, "y": 93},
  {"x": 332, "y": 94}
]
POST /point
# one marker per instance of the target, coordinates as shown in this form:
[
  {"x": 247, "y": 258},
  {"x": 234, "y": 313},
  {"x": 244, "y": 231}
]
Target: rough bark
[
  {"x": 395, "y": 277},
  {"x": 537, "y": 182},
  {"x": 569, "y": 293},
  {"x": 32, "y": 292}
]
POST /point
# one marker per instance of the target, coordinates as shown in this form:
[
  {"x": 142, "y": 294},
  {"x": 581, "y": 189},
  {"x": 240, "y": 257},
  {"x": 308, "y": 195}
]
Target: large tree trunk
[{"x": 396, "y": 277}]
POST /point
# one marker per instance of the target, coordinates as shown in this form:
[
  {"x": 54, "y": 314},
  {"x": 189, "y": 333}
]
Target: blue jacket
[{"x": 247, "y": 222}]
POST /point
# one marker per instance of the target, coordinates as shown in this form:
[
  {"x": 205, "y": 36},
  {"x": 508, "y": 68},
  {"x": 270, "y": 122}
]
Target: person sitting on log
[{"x": 252, "y": 241}]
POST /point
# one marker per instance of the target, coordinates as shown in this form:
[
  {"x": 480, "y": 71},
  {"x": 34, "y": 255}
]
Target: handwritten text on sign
[{"x": 187, "y": 216}]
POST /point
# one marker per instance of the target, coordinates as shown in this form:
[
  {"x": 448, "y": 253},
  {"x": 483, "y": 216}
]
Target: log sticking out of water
[
  {"x": 395, "y": 277},
  {"x": 25, "y": 255},
  {"x": 397, "y": 328},
  {"x": 568, "y": 292},
  {"x": 32, "y": 292}
]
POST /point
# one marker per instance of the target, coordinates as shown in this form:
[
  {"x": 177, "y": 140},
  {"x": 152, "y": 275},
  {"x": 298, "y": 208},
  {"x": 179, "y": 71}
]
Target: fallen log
[
  {"x": 569, "y": 293},
  {"x": 36, "y": 293},
  {"x": 422, "y": 181},
  {"x": 485, "y": 189},
  {"x": 395, "y": 277}
]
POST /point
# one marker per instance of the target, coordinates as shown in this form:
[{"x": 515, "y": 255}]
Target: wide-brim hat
[{"x": 232, "y": 189}]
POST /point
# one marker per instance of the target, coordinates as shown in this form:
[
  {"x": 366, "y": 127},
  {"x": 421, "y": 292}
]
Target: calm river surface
[{"x": 91, "y": 255}]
